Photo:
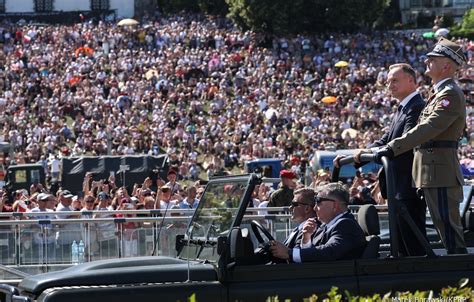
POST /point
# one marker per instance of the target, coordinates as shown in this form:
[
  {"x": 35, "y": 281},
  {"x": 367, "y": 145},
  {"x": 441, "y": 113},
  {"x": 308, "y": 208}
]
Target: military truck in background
[{"x": 23, "y": 176}]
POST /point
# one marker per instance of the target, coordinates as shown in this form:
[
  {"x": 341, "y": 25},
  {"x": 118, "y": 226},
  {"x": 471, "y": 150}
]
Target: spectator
[
  {"x": 172, "y": 183},
  {"x": 165, "y": 202},
  {"x": 68, "y": 232},
  {"x": 105, "y": 230},
  {"x": 190, "y": 201},
  {"x": 128, "y": 230},
  {"x": 284, "y": 195},
  {"x": 44, "y": 238},
  {"x": 89, "y": 229}
]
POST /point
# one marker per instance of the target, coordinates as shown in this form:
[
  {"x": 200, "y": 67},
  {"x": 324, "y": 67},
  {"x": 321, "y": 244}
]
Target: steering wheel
[{"x": 257, "y": 228}]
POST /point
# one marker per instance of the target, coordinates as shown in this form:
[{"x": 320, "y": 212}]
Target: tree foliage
[
  {"x": 285, "y": 17},
  {"x": 466, "y": 28},
  {"x": 282, "y": 16}
]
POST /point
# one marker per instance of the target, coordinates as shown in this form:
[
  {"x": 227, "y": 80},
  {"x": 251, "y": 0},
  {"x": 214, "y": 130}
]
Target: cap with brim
[
  {"x": 448, "y": 49},
  {"x": 165, "y": 188},
  {"x": 42, "y": 197},
  {"x": 66, "y": 194},
  {"x": 102, "y": 195}
]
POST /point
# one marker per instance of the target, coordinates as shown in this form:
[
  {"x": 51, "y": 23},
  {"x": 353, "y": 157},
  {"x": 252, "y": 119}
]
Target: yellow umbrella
[
  {"x": 329, "y": 99},
  {"x": 342, "y": 64},
  {"x": 150, "y": 73},
  {"x": 125, "y": 22}
]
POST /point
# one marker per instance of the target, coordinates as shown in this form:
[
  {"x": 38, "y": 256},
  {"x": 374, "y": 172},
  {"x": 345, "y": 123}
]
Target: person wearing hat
[
  {"x": 67, "y": 232},
  {"x": 284, "y": 195},
  {"x": 44, "y": 237},
  {"x": 436, "y": 168}
]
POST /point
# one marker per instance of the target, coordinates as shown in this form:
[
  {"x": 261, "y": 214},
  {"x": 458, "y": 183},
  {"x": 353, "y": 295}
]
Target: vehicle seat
[
  {"x": 241, "y": 246},
  {"x": 468, "y": 224},
  {"x": 368, "y": 219}
]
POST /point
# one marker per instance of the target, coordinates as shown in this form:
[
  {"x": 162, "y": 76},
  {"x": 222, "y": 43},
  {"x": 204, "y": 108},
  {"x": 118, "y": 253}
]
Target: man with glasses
[
  {"x": 301, "y": 210},
  {"x": 339, "y": 237}
]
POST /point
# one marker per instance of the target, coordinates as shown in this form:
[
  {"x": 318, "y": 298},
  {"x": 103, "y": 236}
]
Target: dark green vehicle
[{"x": 223, "y": 257}]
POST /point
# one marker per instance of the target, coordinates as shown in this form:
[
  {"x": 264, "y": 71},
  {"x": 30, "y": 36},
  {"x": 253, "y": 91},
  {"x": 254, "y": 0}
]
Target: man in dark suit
[
  {"x": 301, "y": 210},
  {"x": 401, "y": 82},
  {"x": 434, "y": 139},
  {"x": 339, "y": 237}
]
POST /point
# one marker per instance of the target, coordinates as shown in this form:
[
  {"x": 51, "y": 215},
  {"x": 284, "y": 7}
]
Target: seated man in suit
[
  {"x": 301, "y": 210},
  {"x": 339, "y": 237}
]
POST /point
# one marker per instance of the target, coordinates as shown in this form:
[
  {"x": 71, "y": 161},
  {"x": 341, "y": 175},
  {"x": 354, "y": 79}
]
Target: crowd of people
[{"x": 210, "y": 96}]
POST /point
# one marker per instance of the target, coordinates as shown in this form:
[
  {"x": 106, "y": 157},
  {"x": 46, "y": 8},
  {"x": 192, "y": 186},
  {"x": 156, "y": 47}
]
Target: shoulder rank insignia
[{"x": 445, "y": 103}]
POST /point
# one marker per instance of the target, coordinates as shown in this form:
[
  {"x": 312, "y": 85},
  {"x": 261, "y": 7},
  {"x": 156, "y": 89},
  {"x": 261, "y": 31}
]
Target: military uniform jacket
[
  {"x": 281, "y": 197},
  {"x": 442, "y": 119}
]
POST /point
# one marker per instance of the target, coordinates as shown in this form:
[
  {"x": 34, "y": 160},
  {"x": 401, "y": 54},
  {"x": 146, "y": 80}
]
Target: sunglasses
[
  {"x": 295, "y": 204},
  {"x": 321, "y": 199}
]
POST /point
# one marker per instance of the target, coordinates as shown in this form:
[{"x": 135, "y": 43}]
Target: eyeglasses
[{"x": 321, "y": 199}]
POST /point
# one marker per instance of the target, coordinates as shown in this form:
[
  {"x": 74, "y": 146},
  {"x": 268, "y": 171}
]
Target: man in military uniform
[
  {"x": 434, "y": 139},
  {"x": 284, "y": 195}
]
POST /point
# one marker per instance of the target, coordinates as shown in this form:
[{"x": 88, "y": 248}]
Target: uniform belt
[{"x": 438, "y": 144}]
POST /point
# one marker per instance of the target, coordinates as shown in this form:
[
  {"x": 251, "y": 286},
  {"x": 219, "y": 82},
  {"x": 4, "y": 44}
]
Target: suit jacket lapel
[
  {"x": 291, "y": 240},
  {"x": 319, "y": 235}
]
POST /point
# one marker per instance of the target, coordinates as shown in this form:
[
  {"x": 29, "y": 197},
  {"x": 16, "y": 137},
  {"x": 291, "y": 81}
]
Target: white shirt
[{"x": 405, "y": 101}]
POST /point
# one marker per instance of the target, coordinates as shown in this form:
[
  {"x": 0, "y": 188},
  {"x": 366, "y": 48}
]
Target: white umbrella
[
  {"x": 125, "y": 22},
  {"x": 269, "y": 113},
  {"x": 349, "y": 132},
  {"x": 442, "y": 32}
]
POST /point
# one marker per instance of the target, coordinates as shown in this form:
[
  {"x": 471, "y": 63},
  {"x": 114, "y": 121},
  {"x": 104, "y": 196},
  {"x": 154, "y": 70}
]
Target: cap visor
[{"x": 434, "y": 54}]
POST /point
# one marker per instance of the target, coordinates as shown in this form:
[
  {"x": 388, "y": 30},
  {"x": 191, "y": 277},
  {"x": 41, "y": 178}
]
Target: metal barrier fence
[{"x": 45, "y": 244}]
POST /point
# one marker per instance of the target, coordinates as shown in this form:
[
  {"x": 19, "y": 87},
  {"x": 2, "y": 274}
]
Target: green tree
[
  {"x": 466, "y": 28},
  {"x": 297, "y": 16},
  {"x": 213, "y": 7}
]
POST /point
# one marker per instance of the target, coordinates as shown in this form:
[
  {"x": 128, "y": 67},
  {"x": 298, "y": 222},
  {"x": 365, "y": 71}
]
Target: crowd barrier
[{"x": 25, "y": 241}]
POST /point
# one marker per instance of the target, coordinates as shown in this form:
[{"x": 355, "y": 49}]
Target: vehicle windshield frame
[{"x": 201, "y": 236}]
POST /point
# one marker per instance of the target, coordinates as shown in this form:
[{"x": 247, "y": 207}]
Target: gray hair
[
  {"x": 336, "y": 190},
  {"x": 307, "y": 195}
]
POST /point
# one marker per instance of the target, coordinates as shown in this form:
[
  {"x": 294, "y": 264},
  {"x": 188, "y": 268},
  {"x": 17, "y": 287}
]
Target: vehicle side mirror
[
  {"x": 179, "y": 243},
  {"x": 221, "y": 245}
]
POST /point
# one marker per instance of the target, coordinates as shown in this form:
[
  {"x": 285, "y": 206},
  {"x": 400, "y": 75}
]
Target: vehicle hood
[{"x": 138, "y": 270}]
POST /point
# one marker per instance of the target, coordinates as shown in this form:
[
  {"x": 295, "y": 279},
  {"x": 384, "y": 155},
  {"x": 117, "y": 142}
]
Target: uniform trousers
[{"x": 443, "y": 204}]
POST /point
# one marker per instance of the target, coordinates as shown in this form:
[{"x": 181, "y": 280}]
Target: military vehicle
[{"x": 224, "y": 257}]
